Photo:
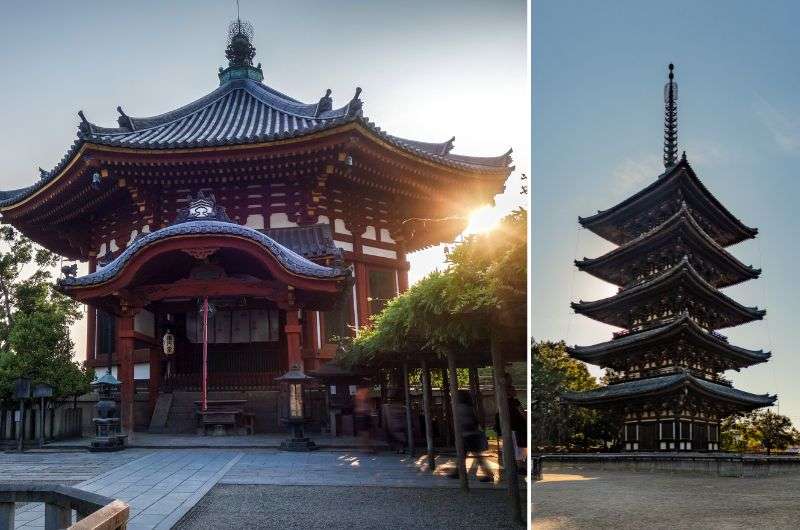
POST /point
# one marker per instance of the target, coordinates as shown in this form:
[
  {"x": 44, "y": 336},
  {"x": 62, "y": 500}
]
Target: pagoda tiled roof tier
[
  {"x": 649, "y": 207},
  {"x": 657, "y": 249},
  {"x": 246, "y": 111},
  {"x": 290, "y": 260},
  {"x": 668, "y": 335},
  {"x": 669, "y": 384},
  {"x": 678, "y": 290}
]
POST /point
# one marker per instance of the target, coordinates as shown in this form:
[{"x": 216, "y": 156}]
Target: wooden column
[
  {"x": 461, "y": 457},
  {"x": 91, "y": 319},
  {"x": 362, "y": 293},
  {"x": 124, "y": 348},
  {"x": 293, "y": 332},
  {"x": 446, "y": 407},
  {"x": 477, "y": 399},
  {"x": 409, "y": 424},
  {"x": 402, "y": 272},
  {"x": 426, "y": 405},
  {"x": 501, "y": 397}
]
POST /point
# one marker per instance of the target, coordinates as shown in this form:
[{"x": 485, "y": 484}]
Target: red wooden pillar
[
  {"x": 362, "y": 293},
  {"x": 124, "y": 348},
  {"x": 91, "y": 319},
  {"x": 293, "y": 332},
  {"x": 402, "y": 272}
]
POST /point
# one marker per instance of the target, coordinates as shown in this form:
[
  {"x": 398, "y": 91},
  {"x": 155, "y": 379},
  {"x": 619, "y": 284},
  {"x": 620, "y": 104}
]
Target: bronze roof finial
[{"x": 670, "y": 120}]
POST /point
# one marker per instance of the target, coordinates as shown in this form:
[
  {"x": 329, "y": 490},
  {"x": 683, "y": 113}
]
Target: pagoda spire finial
[
  {"x": 240, "y": 53},
  {"x": 670, "y": 120}
]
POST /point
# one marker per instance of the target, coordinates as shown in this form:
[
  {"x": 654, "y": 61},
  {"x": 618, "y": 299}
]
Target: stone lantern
[
  {"x": 294, "y": 410},
  {"x": 108, "y": 432}
]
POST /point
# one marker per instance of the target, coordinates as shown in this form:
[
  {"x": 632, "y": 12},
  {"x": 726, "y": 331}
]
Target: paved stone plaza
[
  {"x": 162, "y": 486},
  {"x": 629, "y": 500}
]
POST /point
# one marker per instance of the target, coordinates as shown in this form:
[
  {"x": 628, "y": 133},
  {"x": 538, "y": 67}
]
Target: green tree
[
  {"x": 482, "y": 289},
  {"x": 553, "y": 423},
  {"x": 758, "y": 431},
  {"x": 35, "y": 320}
]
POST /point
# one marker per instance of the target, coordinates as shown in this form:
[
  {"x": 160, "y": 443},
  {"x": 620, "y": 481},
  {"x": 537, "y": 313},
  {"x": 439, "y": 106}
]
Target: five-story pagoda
[{"x": 665, "y": 367}]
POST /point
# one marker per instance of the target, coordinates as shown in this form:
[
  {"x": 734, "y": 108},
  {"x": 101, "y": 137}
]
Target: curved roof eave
[
  {"x": 683, "y": 267},
  {"x": 668, "y": 383},
  {"x": 197, "y": 125},
  {"x": 599, "y": 351},
  {"x": 682, "y": 217},
  {"x": 288, "y": 259},
  {"x": 603, "y": 215}
]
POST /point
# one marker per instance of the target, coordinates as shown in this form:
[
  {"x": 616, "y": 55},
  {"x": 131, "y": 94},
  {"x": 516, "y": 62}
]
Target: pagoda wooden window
[
  {"x": 667, "y": 430},
  {"x": 685, "y": 430},
  {"x": 106, "y": 333},
  {"x": 382, "y": 288},
  {"x": 631, "y": 432}
]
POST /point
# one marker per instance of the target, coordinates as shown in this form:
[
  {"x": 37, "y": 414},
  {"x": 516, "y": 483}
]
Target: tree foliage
[
  {"x": 553, "y": 423},
  {"x": 483, "y": 286},
  {"x": 758, "y": 431},
  {"x": 35, "y": 321}
]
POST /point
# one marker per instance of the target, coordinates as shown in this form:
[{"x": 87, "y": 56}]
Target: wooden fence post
[
  {"x": 461, "y": 457},
  {"x": 509, "y": 458},
  {"x": 409, "y": 425}
]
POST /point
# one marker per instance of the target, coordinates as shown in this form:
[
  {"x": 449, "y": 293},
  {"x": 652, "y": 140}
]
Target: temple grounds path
[
  {"x": 599, "y": 500},
  {"x": 241, "y": 488}
]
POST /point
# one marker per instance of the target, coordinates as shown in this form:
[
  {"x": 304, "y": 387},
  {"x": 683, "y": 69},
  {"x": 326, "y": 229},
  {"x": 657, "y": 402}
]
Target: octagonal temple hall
[
  {"x": 294, "y": 218},
  {"x": 666, "y": 366}
]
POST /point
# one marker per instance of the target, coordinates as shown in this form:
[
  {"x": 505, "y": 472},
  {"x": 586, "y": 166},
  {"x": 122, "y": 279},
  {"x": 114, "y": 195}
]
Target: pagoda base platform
[{"x": 719, "y": 464}]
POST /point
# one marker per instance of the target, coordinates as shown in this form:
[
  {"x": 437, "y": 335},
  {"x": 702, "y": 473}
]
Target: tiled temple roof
[
  {"x": 597, "y": 352},
  {"x": 289, "y": 259},
  {"x": 683, "y": 270},
  {"x": 602, "y": 223},
  {"x": 244, "y": 111},
  {"x": 662, "y": 384},
  {"x": 607, "y": 267}
]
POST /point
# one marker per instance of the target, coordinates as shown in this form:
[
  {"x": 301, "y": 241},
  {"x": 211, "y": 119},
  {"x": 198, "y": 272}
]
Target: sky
[
  {"x": 598, "y": 79},
  {"x": 428, "y": 70}
]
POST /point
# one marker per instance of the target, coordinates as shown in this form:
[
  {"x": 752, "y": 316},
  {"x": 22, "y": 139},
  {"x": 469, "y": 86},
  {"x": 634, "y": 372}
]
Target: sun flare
[{"x": 484, "y": 219}]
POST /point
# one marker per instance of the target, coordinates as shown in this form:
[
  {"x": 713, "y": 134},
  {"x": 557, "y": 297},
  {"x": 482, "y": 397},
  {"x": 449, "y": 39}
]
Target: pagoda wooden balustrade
[{"x": 93, "y": 511}]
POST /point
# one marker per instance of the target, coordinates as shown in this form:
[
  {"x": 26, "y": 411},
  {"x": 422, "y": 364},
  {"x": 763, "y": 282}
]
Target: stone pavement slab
[{"x": 160, "y": 486}]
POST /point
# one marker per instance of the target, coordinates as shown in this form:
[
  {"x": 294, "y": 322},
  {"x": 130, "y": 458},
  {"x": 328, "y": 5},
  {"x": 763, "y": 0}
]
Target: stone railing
[{"x": 93, "y": 511}]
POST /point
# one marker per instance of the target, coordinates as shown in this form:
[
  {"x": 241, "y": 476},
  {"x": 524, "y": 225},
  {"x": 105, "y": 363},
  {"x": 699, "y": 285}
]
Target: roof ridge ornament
[
  {"x": 325, "y": 103},
  {"x": 670, "y": 120},
  {"x": 124, "y": 120},
  {"x": 85, "y": 126},
  {"x": 354, "y": 108},
  {"x": 202, "y": 207}
]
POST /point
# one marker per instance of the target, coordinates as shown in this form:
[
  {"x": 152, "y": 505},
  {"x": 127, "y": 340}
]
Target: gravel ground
[
  {"x": 334, "y": 507},
  {"x": 598, "y": 500}
]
